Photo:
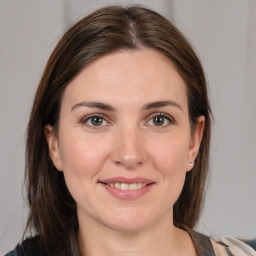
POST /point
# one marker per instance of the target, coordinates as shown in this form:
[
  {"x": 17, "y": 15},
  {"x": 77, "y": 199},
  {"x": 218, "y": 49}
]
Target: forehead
[{"x": 136, "y": 76}]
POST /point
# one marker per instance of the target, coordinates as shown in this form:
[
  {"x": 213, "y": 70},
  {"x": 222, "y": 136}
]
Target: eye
[
  {"x": 160, "y": 119},
  {"x": 95, "y": 121}
]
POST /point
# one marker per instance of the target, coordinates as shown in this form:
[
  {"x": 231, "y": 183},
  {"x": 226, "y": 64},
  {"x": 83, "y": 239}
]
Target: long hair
[{"x": 52, "y": 209}]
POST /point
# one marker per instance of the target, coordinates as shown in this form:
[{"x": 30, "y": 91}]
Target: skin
[
  {"x": 128, "y": 143},
  {"x": 219, "y": 249}
]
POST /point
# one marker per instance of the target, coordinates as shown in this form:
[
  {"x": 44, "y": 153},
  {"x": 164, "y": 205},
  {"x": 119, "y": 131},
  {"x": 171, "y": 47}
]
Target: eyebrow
[
  {"x": 159, "y": 104},
  {"x": 93, "y": 104},
  {"x": 104, "y": 106}
]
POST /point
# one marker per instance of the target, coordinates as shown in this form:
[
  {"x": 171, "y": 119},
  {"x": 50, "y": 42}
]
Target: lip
[
  {"x": 127, "y": 194},
  {"x": 127, "y": 180}
]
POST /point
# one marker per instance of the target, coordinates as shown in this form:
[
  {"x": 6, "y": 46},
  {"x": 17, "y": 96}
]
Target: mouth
[{"x": 124, "y": 188}]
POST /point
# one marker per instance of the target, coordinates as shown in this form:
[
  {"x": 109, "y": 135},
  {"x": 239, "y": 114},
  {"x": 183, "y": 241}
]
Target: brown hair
[{"x": 52, "y": 208}]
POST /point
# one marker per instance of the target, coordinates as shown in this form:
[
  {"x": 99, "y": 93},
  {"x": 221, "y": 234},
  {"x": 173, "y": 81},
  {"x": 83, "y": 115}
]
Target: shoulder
[
  {"x": 251, "y": 243},
  {"x": 222, "y": 245},
  {"x": 29, "y": 247},
  {"x": 234, "y": 246}
]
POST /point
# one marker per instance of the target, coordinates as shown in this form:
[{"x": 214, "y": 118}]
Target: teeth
[
  {"x": 133, "y": 186},
  {"x": 125, "y": 186},
  {"x": 117, "y": 185}
]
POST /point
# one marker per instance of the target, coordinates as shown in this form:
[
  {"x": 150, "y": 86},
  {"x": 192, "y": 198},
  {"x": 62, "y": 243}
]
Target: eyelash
[
  {"x": 163, "y": 115},
  {"x": 90, "y": 117},
  {"x": 106, "y": 119}
]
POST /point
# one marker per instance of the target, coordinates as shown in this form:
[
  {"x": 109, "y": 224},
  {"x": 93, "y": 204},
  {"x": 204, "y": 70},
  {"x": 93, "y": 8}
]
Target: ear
[
  {"x": 53, "y": 145},
  {"x": 195, "y": 142}
]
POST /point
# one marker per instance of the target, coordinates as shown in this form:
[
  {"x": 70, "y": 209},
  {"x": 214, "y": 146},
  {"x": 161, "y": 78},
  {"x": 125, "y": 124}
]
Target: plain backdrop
[{"x": 224, "y": 35}]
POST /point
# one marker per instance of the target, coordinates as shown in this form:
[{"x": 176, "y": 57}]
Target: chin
[
  {"x": 128, "y": 221},
  {"x": 127, "y": 227}
]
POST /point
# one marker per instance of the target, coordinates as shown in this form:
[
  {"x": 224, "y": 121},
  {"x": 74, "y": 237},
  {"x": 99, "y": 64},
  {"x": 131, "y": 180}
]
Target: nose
[{"x": 128, "y": 148}]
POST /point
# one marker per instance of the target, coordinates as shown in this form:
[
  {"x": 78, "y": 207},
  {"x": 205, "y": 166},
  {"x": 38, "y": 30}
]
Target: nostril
[
  {"x": 139, "y": 163},
  {"x": 129, "y": 164},
  {"x": 128, "y": 157}
]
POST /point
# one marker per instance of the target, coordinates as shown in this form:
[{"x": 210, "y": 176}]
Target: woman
[{"x": 118, "y": 142}]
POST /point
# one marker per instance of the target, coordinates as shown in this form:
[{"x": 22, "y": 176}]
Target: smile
[{"x": 125, "y": 186}]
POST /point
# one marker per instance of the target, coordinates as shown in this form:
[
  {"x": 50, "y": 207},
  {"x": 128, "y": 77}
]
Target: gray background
[{"x": 224, "y": 34}]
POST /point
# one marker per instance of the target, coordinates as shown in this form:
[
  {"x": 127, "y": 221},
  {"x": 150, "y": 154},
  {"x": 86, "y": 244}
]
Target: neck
[{"x": 163, "y": 239}]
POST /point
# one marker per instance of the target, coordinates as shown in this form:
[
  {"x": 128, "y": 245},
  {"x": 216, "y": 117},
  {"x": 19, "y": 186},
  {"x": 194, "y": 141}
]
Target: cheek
[
  {"x": 83, "y": 155},
  {"x": 169, "y": 159},
  {"x": 169, "y": 155},
  {"x": 82, "y": 159}
]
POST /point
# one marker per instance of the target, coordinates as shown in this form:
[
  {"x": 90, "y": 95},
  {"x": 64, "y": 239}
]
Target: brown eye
[
  {"x": 95, "y": 121},
  {"x": 158, "y": 120}
]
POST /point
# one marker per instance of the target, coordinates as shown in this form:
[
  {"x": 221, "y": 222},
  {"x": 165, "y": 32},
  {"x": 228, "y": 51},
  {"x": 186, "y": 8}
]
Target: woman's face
[{"x": 124, "y": 142}]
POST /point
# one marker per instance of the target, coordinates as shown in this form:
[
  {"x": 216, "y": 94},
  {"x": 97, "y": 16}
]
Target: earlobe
[
  {"x": 195, "y": 142},
  {"x": 53, "y": 146}
]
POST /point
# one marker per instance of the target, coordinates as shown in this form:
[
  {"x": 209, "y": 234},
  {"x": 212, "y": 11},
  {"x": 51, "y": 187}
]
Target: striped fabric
[{"x": 236, "y": 247}]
